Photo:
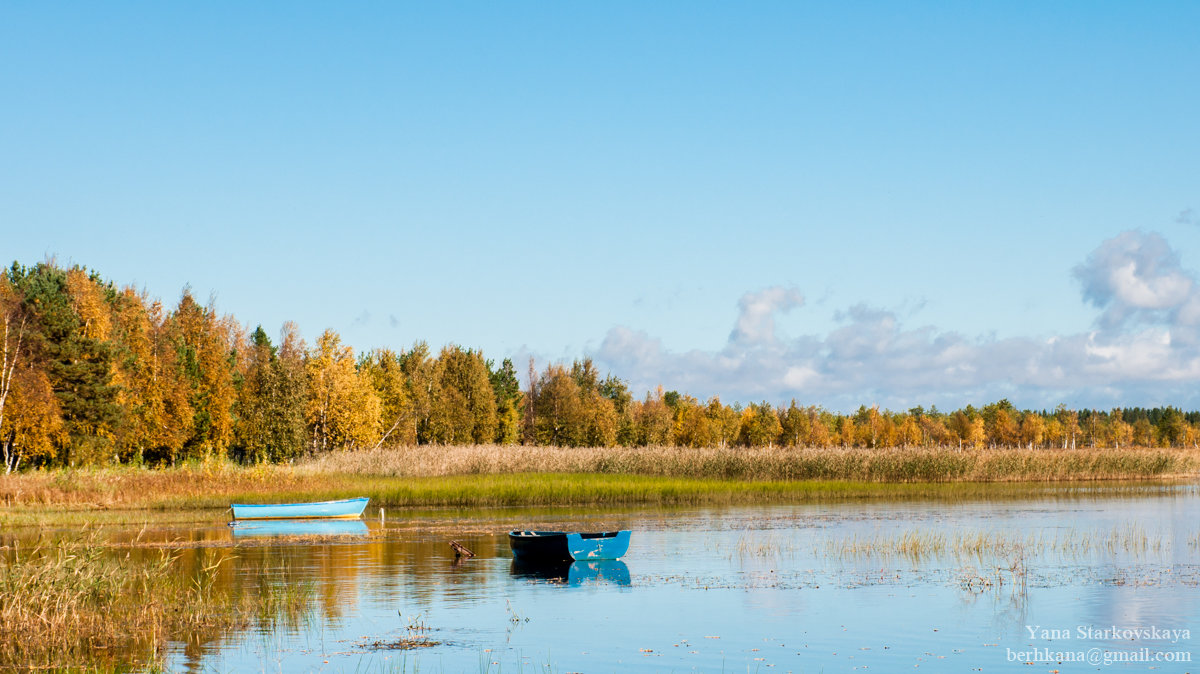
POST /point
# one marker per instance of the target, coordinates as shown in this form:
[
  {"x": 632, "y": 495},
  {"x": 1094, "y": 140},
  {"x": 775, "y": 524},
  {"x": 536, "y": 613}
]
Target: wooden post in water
[
  {"x": 461, "y": 551},
  {"x": 381, "y": 518}
]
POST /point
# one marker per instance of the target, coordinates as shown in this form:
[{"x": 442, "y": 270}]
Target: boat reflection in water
[
  {"x": 596, "y": 572},
  {"x": 278, "y": 528}
]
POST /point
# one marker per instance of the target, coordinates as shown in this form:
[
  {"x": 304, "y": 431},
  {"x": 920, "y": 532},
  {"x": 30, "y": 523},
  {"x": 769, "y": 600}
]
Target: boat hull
[
  {"x": 344, "y": 509},
  {"x": 561, "y": 546}
]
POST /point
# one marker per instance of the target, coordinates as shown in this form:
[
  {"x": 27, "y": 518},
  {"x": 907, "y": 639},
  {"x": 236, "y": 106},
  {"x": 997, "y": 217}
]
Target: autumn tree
[
  {"x": 652, "y": 420},
  {"x": 820, "y": 427},
  {"x": 911, "y": 432},
  {"x": 1032, "y": 429},
  {"x": 1001, "y": 427},
  {"x": 271, "y": 424},
  {"x": 1143, "y": 433},
  {"x": 34, "y": 431},
  {"x": 1068, "y": 420},
  {"x": 509, "y": 402},
  {"x": 343, "y": 410},
  {"x": 557, "y": 410},
  {"x": 968, "y": 427},
  {"x": 724, "y": 422},
  {"x": 76, "y": 357},
  {"x": 616, "y": 391},
  {"x": 934, "y": 430},
  {"x": 846, "y": 433},
  {"x": 600, "y": 419},
  {"x": 1171, "y": 428},
  {"x": 868, "y": 423},
  {"x": 420, "y": 377},
  {"x": 1120, "y": 433},
  {"x": 206, "y": 352},
  {"x": 796, "y": 427},
  {"x": 158, "y": 418},
  {"x": 31, "y": 424},
  {"x": 13, "y": 353},
  {"x": 464, "y": 404},
  {"x": 291, "y": 385},
  {"x": 692, "y": 426},
  {"x": 384, "y": 369},
  {"x": 760, "y": 426}
]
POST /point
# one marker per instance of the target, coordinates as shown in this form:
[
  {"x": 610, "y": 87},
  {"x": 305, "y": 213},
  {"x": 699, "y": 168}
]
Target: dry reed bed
[
  {"x": 686, "y": 473},
  {"x": 139, "y": 487},
  {"x": 779, "y": 463}
]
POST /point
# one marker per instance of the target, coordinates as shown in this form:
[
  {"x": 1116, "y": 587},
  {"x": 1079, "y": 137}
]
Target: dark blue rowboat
[
  {"x": 561, "y": 546},
  {"x": 345, "y": 509}
]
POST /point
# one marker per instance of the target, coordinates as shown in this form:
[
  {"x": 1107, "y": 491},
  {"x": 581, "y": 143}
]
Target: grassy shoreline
[{"x": 485, "y": 476}]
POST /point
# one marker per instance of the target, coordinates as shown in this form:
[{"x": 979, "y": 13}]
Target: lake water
[{"x": 1109, "y": 579}]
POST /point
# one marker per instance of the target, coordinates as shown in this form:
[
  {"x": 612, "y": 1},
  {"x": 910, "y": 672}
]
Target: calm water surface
[{"x": 865, "y": 586}]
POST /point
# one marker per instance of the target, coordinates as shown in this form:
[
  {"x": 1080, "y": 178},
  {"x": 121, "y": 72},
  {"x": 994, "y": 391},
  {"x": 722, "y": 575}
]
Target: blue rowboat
[
  {"x": 550, "y": 546},
  {"x": 345, "y": 509}
]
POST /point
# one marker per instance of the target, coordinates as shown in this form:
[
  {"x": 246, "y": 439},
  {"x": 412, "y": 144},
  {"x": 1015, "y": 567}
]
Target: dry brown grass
[
  {"x": 425, "y": 468},
  {"x": 779, "y": 463},
  {"x": 136, "y": 487}
]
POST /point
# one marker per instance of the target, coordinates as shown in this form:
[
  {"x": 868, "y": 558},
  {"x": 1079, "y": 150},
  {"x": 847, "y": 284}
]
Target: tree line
[{"x": 95, "y": 374}]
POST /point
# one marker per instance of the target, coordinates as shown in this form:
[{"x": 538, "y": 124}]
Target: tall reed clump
[{"x": 76, "y": 604}]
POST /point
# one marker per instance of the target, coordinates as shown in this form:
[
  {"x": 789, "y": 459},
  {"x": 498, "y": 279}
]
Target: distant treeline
[{"x": 94, "y": 374}]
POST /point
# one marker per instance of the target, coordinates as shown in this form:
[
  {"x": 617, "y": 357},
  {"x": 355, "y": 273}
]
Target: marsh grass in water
[
  {"x": 974, "y": 546},
  {"x": 78, "y": 604},
  {"x": 917, "y": 545}
]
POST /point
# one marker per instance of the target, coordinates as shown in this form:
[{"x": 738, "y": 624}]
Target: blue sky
[{"x": 845, "y": 203}]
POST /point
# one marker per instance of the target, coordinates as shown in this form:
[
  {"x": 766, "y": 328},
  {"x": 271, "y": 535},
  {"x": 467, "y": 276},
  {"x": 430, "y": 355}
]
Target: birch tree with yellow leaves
[
  {"x": 158, "y": 417},
  {"x": 15, "y": 319},
  {"x": 205, "y": 349},
  {"x": 343, "y": 411}
]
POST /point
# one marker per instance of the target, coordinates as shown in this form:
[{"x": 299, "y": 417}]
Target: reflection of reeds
[{"x": 76, "y": 604}]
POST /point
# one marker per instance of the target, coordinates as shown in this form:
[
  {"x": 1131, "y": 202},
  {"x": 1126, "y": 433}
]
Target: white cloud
[
  {"x": 1145, "y": 351},
  {"x": 1136, "y": 277},
  {"x": 756, "y": 314},
  {"x": 800, "y": 377}
]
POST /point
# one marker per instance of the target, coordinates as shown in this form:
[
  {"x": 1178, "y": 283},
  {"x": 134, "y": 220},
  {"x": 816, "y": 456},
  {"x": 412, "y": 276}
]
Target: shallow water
[{"x": 801, "y": 588}]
